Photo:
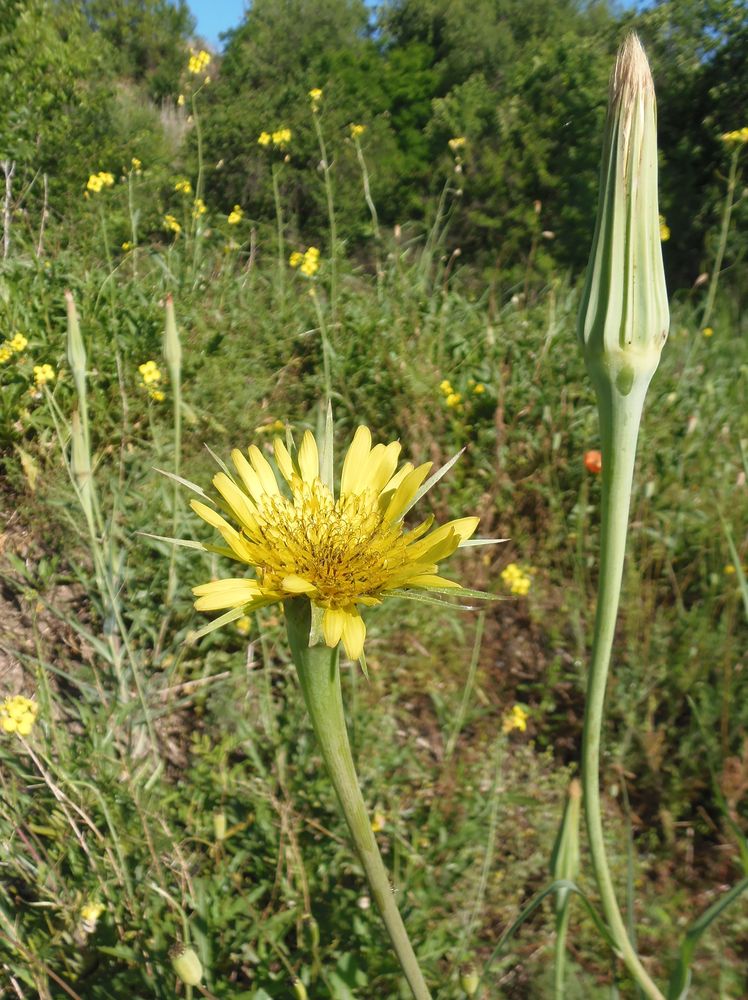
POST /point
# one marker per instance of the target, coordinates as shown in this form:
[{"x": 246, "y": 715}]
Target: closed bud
[
  {"x": 565, "y": 856},
  {"x": 75, "y": 350},
  {"x": 469, "y": 981},
  {"x": 219, "y": 825},
  {"x": 172, "y": 345},
  {"x": 186, "y": 964},
  {"x": 624, "y": 315}
]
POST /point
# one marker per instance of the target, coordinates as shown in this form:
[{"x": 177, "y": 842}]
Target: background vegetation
[{"x": 171, "y": 790}]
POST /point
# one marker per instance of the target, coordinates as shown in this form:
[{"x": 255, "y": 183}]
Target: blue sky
[{"x": 215, "y": 16}]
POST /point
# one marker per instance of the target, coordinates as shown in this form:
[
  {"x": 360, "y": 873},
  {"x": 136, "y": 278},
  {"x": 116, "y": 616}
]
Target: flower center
[{"x": 343, "y": 547}]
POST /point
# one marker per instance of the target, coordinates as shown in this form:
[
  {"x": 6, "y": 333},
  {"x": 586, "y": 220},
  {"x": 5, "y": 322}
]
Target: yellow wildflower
[
  {"x": 18, "y": 714},
  {"x": 89, "y": 916},
  {"x": 281, "y": 137},
  {"x": 157, "y": 395},
  {"x": 708, "y": 331},
  {"x": 264, "y": 139},
  {"x": 199, "y": 61},
  {"x": 516, "y": 719},
  {"x": 136, "y": 164},
  {"x": 180, "y": 101},
  {"x": 150, "y": 373},
  {"x": 357, "y": 130},
  {"x": 127, "y": 246},
  {"x": 457, "y": 143},
  {"x": 183, "y": 186},
  {"x": 664, "y": 230},
  {"x": 198, "y": 208},
  {"x": 516, "y": 579},
  {"x": 6, "y": 352},
  {"x": 340, "y": 552},
  {"x": 18, "y": 343},
  {"x": 296, "y": 258},
  {"x": 453, "y": 400},
  {"x": 315, "y": 96},
  {"x": 171, "y": 224},
  {"x": 273, "y": 428},
  {"x": 244, "y": 625},
  {"x": 729, "y": 569},
  {"x": 43, "y": 374},
  {"x": 446, "y": 386},
  {"x": 479, "y": 388},
  {"x": 738, "y": 136},
  {"x": 310, "y": 264},
  {"x": 235, "y": 216},
  {"x": 378, "y": 822}
]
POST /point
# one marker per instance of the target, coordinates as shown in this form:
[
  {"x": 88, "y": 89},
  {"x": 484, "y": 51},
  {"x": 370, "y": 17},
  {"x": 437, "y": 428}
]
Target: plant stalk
[
  {"x": 620, "y": 416},
  {"x": 319, "y": 675}
]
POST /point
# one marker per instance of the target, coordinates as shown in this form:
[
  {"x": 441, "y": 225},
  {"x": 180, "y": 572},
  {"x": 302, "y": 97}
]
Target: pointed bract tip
[{"x": 631, "y": 75}]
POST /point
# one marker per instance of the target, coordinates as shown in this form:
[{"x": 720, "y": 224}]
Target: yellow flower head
[
  {"x": 18, "y": 343},
  {"x": 157, "y": 395},
  {"x": 457, "y": 143},
  {"x": 171, "y": 224},
  {"x": 296, "y": 258},
  {"x": 315, "y": 96},
  {"x": 738, "y": 137},
  {"x": 453, "y": 400},
  {"x": 198, "y": 208},
  {"x": 180, "y": 101},
  {"x": 342, "y": 552},
  {"x": 516, "y": 579},
  {"x": 127, "y": 246},
  {"x": 479, "y": 388},
  {"x": 199, "y": 61},
  {"x": 183, "y": 186},
  {"x": 136, "y": 164},
  {"x": 264, "y": 139},
  {"x": 96, "y": 182},
  {"x": 150, "y": 373},
  {"x": 708, "y": 331},
  {"x": 664, "y": 230},
  {"x": 235, "y": 216},
  {"x": 89, "y": 916},
  {"x": 446, "y": 386},
  {"x": 18, "y": 714},
  {"x": 310, "y": 263},
  {"x": 6, "y": 352},
  {"x": 516, "y": 719},
  {"x": 357, "y": 130},
  {"x": 43, "y": 374},
  {"x": 281, "y": 138}
]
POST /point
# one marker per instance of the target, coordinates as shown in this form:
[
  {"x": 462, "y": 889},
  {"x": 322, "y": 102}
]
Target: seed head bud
[
  {"x": 172, "y": 345},
  {"x": 186, "y": 964},
  {"x": 299, "y": 989},
  {"x": 624, "y": 316},
  {"x": 75, "y": 350},
  {"x": 469, "y": 981},
  {"x": 219, "y": 825},
  {"x": 565, "y": 856}
]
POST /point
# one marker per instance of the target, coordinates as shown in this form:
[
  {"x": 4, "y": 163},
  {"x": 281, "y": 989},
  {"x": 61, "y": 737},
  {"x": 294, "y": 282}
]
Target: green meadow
[{"x": 371, "y": 245}]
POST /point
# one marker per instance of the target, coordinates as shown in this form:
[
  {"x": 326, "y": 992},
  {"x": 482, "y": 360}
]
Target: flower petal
[
  {"x": 354, "y": 465},
  {"x": 230, "y": 593},
  {"x": 354, "y": 633},
  {"x": 240, "y": 504},
  {"x": 332, "y": 626},
  {"x": 264, "y": 470},
  {"x": 296, "y": 584},
  {"x": 283, "y": 459},
  {"x": 247, "y": 474},
  {"x": 309, "y": 458}
]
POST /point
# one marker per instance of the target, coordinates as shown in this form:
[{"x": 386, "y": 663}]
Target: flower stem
[
  {"x": 724, "y": 229},
  {"x": 620, "y": 416},
  {"x": 319, "y": 675}
]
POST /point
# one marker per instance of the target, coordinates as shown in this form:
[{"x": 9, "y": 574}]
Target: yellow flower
[
  {"x": 273, "y": 428},
  {"x": 198, "y": 208},
  {"x": 516, "y": 579},
  {"x": 107, "y": 179},
  {"x": 235, "y": 216},
  {"x": 183, "y": 186},
  {"x": 446, "y": 386},
  {"x": 738, "y": 136},
  {"x": 457, "y": 143},
  {"x": 264, "y": 139},
  {"x": 341, "y": 552},
  {"x": 378, "y": 822},
  {"x": 315, "y": 96},
  {"x": 357, "y": 130},
  {"x": 281, "y": 137},
  {"x": 664, "y": 230},
  {"x": 199, "y": 61},
  {"x": 43, "y": 374},
  {"x": 180, "y": 101},
  {"x": 729, "y": 569},
  {"x": 310, "y": 264},
  {"x": 94, "y": 183},
  {"x": 516, "y": 719},
  {"x": 244, "y": 625},
  {"x": 157, "y": 395},
  {"x": 708, "y": 331},
  {"x": 479, "y": 388},
  {"x": 6, "y": 352},
  {"x": 18, "y": 714},
  {"x": 136, "y": 164},
  {"x": 453, "y": 400},
  {"x": 171, "y": 224},
  {"x": 18, "y": 343},
  {"x": 296, "y": 258},
  {"x": 89, "y": 916},
  {"x": 127, "y": 246},
  {"x": 150, "y": 373}
]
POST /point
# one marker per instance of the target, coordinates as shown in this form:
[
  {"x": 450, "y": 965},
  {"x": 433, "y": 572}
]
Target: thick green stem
[
  {"x": 319, "y": 675},
  {"x": 620, "y": 416}
]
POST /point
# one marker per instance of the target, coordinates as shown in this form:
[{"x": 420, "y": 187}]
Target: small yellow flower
[
  {"x": 18, "y": 714},
  {"x": 235, "y": 216},
  {"x": 296, "y": 258},
  {"x": 446, "y": 387},
  {"x": 378, "y": 822},
  {"x": 479, "y": 388},
  {"x": 310, "y": 264},
  {"x": 183, "y": 186},
  {"x": 264, "y": 139},
  {"x": 199, "y": 61},
  {"x": 43, "y": 374},
  {"x": 150, "y": 373},
  {"x": 281, "y": 137},
  {"x": 89, "y": 916},
  {"x": 708, "y": 331},
  {"x": 738, "y": 136},
  {"x": 127, "y": 246},
  {"x": 244, "y": 625},
  {"x": 664, "y": 230},
  {"x": 180, "y": 101},
  {"x": 516, "y": 579},
  {"x": 198, "y": 208},
  {"x": 357, "y": 131},
  {"x": 94, "y": 183},
  {"x": 729, "y": 569},
  {"x": 315, "y": 96},
  {"x": 157, "y": 395},
  {"x": 171, "y": 224},
  {"x": 516, "y": 719},
  {"x": 136, "y": 164},
  {"x": 18, "y": 343},
  {"x": 457, "y": 143},
  {"x": 6, "y": 352},
  {"x": 453, "y": 400}
]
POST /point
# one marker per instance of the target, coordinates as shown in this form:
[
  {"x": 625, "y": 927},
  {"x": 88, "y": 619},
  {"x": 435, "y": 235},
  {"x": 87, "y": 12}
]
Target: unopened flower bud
[
  {"x": 186, "y": 964},
  {"x": 624, "y": 315},
  {"x": 565, "y": 856},
  {"x": 219, "y": 825},
  {"x": 469, "y": 981},
  {"x": 299, "y": 989}
]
